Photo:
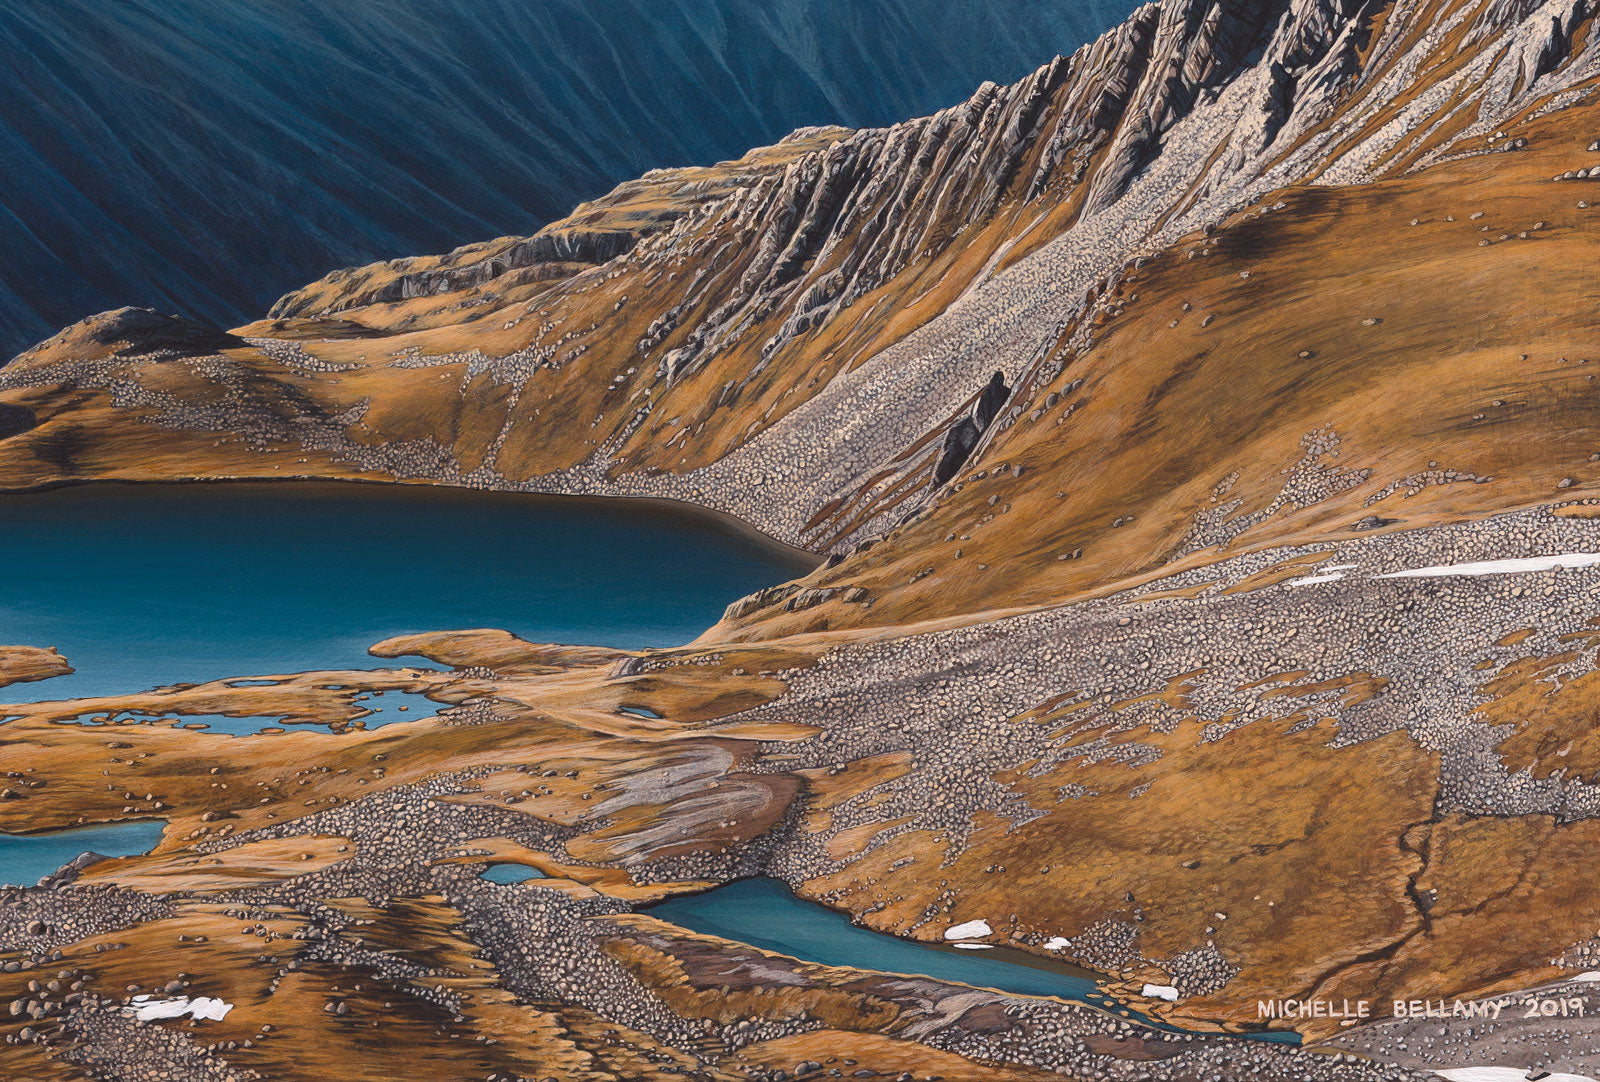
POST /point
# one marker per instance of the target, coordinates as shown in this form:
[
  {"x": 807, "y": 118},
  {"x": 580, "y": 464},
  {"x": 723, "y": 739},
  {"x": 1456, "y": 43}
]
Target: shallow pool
[
  {"x": 511, "y": 873},
  {"x": 766, "y": 913},
  {"x": 387, "y": 707}
]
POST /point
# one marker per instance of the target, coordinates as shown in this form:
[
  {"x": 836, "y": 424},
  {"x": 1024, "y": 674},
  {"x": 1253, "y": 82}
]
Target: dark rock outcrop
[
  {"x": 69, "y": 871},
  {"x": 762, "y": 598},
  {"x": 963, "y": 436},
  {"x": 131, "y": 331}
]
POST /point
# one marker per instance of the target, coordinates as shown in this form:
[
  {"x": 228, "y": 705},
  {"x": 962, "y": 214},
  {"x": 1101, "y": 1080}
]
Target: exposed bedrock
[
  {"x": 1251, "y": 133},
  {"x": 962, "y": 438},
  {"x": 462, "y": 269}
]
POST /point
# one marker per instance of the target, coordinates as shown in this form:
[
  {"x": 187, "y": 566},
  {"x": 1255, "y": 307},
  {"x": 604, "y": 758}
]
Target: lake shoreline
[
  {"x": 141, "y": 584},
  {"x": 768, "y": 914},
  {"x": 665, "y": 507}
]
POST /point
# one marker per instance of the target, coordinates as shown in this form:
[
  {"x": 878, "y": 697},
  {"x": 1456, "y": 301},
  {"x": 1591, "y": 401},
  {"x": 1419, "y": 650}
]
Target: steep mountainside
[
  {"x": 201, "y": 156},
  {"x": 1201, "y": 433}
]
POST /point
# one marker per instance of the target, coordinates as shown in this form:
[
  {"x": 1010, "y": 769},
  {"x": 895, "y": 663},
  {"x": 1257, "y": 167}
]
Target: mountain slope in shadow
[{"x": 202, "y": 156}]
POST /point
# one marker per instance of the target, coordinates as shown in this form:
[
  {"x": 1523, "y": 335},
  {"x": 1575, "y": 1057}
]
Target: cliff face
[{"x": 1167, "y": 416}]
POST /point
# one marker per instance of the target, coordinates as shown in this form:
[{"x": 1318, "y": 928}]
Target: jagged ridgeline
[{"x": 202, "y": 156}]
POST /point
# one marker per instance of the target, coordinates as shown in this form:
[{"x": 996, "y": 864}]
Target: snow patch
[
  {"x": 202, "y": 1008},
  {"x": 1057, "y": 943},
  {"x": 971, "y": 929},
  {"x": 1500, "y": 567},
  {"x": 1160, "y": 991},
  {"x": 1332, "y": 576},
  {"x": 1331, "y": 573},
  {"x": 974, "y": 946}
]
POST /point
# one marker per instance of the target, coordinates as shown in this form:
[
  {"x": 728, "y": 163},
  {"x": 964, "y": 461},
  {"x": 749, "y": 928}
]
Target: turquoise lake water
[
  {"x": 765, "y": 913},
  {"x": 25, "y": 858},
  {"x": 511, "y": 873},
  {"x": 145, "y": 585}
]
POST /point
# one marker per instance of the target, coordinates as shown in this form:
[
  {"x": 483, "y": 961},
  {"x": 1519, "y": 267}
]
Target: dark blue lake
[{"x": 144, "y": 585}]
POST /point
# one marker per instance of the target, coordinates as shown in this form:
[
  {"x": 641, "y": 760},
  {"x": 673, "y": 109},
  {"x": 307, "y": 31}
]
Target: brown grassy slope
[{"x": 1423, "y": 349}]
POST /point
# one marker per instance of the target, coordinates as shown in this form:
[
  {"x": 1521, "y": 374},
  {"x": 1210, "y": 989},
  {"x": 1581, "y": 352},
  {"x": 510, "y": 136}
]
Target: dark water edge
[
  {"x": 142, "y": 585},
  {"x": 205, "y": 156},
  {"x": 661, "y": 507}
]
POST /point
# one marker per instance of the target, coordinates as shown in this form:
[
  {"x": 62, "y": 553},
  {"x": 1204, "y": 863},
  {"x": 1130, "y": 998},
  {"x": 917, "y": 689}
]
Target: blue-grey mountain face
[{"x": 203, "y": 156}]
